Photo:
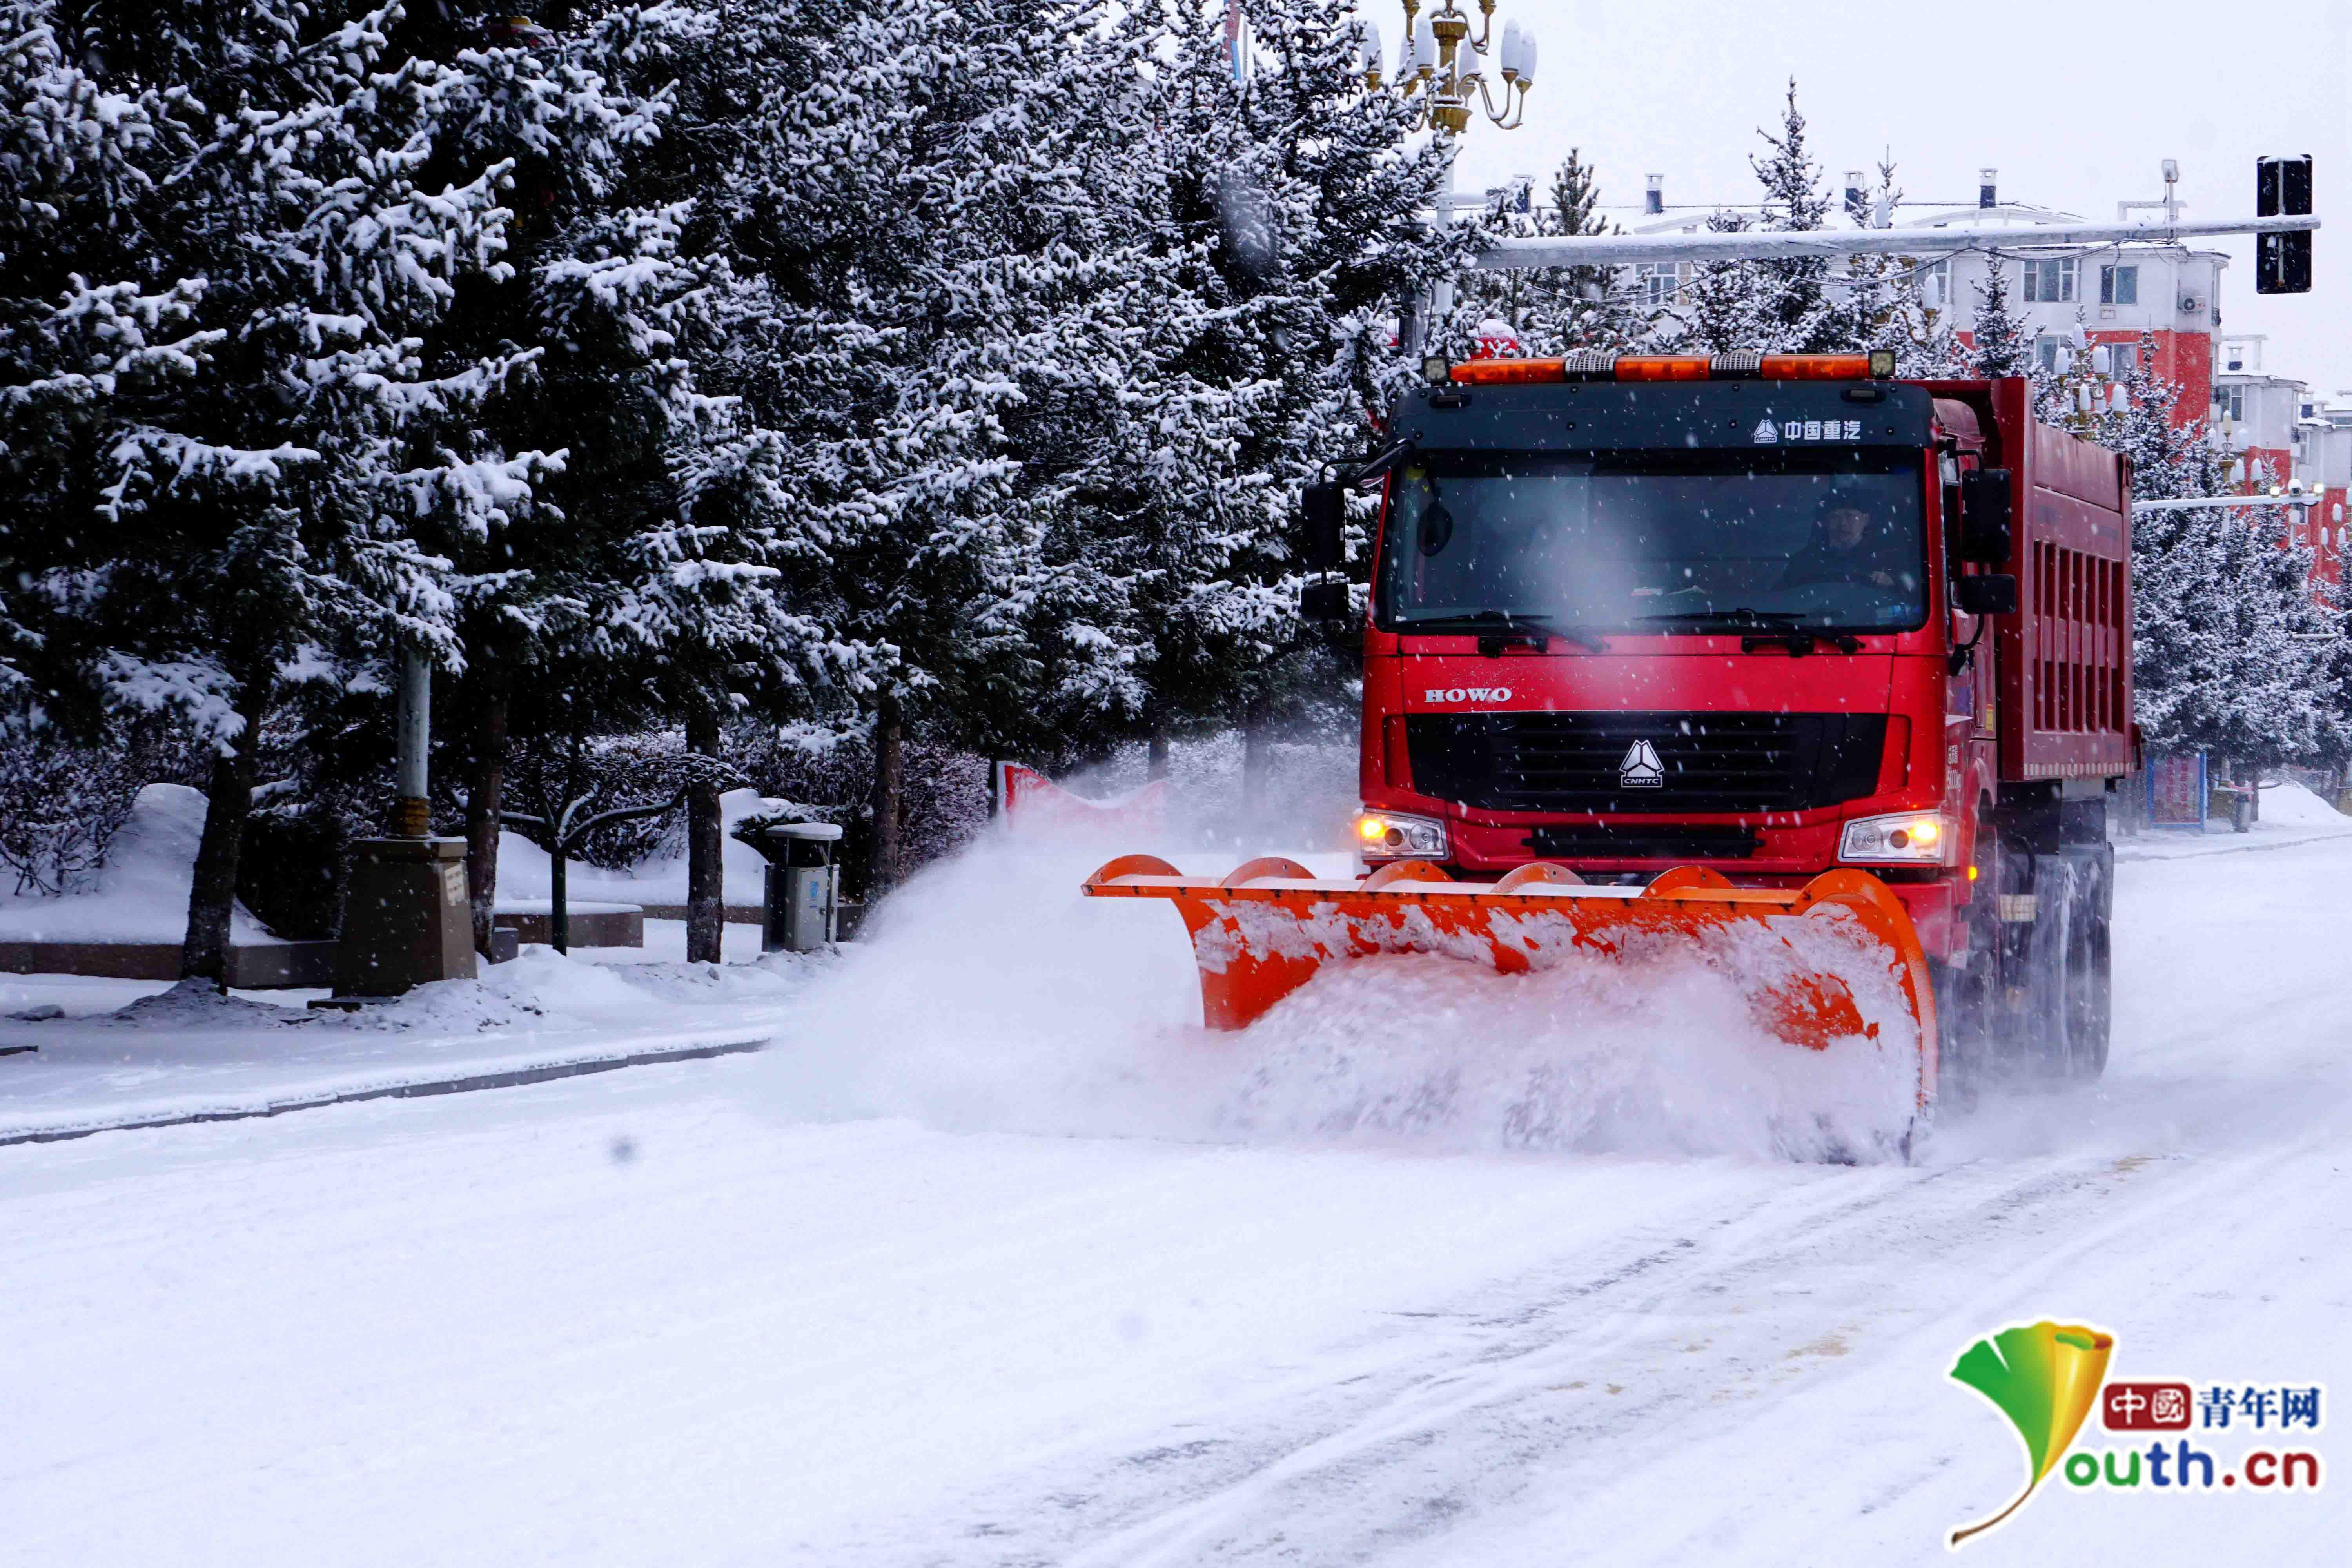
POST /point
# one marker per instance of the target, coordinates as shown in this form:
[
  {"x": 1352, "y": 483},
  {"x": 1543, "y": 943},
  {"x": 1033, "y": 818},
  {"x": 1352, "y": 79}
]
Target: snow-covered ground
[{"x": 992, "y": 1259}]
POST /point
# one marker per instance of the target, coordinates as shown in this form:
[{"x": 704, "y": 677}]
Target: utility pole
[{"x": 2171, "y": 203}]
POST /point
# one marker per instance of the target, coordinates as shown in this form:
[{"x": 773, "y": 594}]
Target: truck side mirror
[
  {"x": 1995, "y": 596},
  {"x": 1324, "y": 601},
  {"x": 1323, "y": 508},
  {"x": 1985, "y": 517}
]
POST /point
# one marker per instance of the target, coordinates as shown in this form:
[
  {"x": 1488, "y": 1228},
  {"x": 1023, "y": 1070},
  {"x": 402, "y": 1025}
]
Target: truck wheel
[
  {"x": 2068, "y": 978},
  {"x": 2090, "y": 971},
  {"x": 1968, "y": 991}
]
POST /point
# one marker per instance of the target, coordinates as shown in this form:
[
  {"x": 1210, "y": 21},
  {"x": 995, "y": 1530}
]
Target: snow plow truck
[{"x": 1821, "y": 676}]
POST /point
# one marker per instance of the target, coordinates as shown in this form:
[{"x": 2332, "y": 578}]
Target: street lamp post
[
  {"x": 1453, "y": 75},
  {"x": 406, "y": 918}
]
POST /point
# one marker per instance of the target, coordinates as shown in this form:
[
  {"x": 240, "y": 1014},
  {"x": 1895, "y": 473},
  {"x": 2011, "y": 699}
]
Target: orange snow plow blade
[{"x": 1833, "y": 960}]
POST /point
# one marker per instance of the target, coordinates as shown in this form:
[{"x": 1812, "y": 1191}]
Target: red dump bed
[{"x": 2065, "y": 658}]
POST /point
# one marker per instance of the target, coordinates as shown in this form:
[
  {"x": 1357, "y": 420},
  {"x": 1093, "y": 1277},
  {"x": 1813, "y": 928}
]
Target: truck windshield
[{"x": 1624, "y": 540}]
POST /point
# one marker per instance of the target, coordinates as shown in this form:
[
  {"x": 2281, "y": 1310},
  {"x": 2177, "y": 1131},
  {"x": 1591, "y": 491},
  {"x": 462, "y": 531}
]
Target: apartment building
[{"x": 2119, "y": 296}]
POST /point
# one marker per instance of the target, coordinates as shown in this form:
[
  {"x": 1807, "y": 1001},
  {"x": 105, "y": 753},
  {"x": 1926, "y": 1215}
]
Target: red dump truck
[
  {"x": 1771, "y": 663},
  {"x": 1772, "y": 616}
]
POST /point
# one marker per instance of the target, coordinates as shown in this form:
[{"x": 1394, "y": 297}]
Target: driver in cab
[{"x": 1849, "y": 546}]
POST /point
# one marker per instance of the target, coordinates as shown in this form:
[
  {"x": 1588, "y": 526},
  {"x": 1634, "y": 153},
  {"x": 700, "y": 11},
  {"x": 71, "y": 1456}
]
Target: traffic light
[{"x": 2282, "y": 261}]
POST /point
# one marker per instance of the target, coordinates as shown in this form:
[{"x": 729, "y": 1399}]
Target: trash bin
[{"x": 804, "y": 885}]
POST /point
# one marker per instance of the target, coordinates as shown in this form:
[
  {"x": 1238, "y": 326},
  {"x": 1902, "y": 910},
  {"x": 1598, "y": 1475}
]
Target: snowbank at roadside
[
  {"x": 2287, "y": 803},
  {"x": 2291, "y": 815},
  {"x": 143, "y": 890},
  {"x": 187, "y": 1052}
]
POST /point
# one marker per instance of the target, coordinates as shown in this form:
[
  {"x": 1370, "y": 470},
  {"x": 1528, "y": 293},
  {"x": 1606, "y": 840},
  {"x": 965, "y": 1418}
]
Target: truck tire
[
  {"x": 2068, "y": 983},
  {"x": 2090, "y": 968},
  {"x": 1968, "y": 997}
]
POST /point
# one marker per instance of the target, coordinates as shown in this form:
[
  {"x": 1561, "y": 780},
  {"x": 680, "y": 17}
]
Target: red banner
[{"x": 1034, "y": 806}]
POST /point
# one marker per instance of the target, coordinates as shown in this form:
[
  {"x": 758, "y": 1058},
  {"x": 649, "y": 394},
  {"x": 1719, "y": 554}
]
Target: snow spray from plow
[{"x": 1834, "y": 961}]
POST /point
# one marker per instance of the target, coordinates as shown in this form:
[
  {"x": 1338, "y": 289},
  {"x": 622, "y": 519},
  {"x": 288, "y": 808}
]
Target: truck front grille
[{"x": 1704, "y": 763}]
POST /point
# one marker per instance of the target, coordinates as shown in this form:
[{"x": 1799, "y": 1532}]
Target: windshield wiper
[
  {"x": 1786, "y": 629},
  {"x": 1501, "y": 628},
  {"x": 1799, "y": 641},
  {"x": 1742, "y": 616}
]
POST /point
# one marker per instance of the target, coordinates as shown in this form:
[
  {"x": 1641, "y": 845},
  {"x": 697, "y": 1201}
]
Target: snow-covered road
[{"x": 965, "y": 1297}]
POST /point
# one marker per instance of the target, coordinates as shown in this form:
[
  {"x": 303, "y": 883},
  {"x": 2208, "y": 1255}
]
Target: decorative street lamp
[
  {"x": 1451, "y": 73},
  {"x": 1443, "y": 63}
]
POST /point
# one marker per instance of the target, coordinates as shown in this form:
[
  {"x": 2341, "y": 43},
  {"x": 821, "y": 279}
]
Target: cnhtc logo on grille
[{"x": 1640, "y": 769}]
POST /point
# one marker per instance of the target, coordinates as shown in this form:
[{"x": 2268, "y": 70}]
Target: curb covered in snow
[
  {"x": 510, "y": 1078},
  {"x": 2191, "y": 846}
]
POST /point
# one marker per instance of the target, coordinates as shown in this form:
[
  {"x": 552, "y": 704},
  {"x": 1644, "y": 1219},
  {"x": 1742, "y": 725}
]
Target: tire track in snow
[{"x": 1490, "y": 1401}]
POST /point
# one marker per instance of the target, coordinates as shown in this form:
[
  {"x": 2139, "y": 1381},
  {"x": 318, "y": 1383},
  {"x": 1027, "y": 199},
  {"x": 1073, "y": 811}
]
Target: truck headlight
[
  {"x": 1393, "y": 836},
  {"x": 1907, "y": 838}
]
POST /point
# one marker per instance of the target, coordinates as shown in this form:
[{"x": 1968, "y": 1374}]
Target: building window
[
  {"x": 2119, "y": 285},
  {"x": 2045, "y": 352},
  {"x": 2123, "y": 360},
  {"x": 2232, "y": 400},
  {"x": 1661, "y": 284},
  {"x": 1935, "y": 285},
  {"x": 2050, "y": 281}
]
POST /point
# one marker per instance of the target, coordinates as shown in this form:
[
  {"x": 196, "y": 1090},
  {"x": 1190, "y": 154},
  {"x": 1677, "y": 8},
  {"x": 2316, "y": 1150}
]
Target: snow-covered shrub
[
  {"x": 605, "y": 772},
  {"x": 61, "y": 803},
  {"x": 828, "y": 777}
]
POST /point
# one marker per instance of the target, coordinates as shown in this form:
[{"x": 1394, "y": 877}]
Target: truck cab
[{"x": 1770, "y": 615}]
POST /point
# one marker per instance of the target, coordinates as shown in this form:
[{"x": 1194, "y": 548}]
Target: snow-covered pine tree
[
  {"x": 1565, "y": 309},
  {"x": 1026, "y": 316},
  {"x": 1799, "y": 316},
  {"x": 1998, "y": 341},
  {"x": 1776, "y": 307},
  {"x": 281, "y": 215},
  {"x": 2228, "y": 649},
  {"x": 1284, "y": 215},
  {"x": 899, "y": 192},
  {"x": 2330, "y": 672},
  {"x": 1186, "y": 334},
  {"x": 1884, "y": 307},
  {"x": 91, "y": 342},
  {"x": 2230, "y": 642},
  {"x": 1726, "y": 307},
  {"x": 638, "y": 586}
]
